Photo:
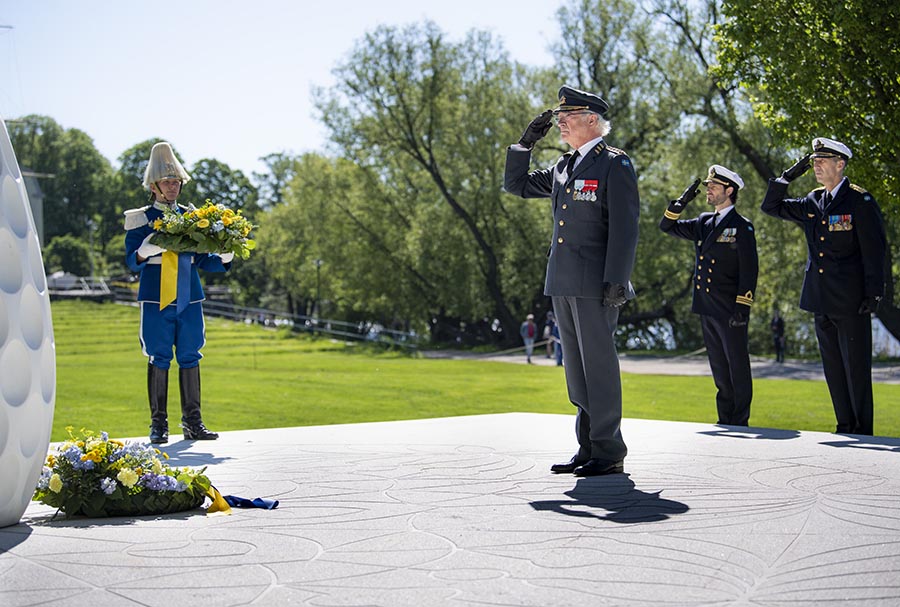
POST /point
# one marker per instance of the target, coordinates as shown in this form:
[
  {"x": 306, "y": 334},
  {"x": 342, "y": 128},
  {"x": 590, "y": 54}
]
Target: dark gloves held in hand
[
  {"x": 800, "y": 167},
  {"x": 537, "y": 129},
  {"x": 869, "y": 305},
  {"x": 678, "y": 205},
  {"x": 738, "y": 319},
  {"x": 613, "y": 295}
]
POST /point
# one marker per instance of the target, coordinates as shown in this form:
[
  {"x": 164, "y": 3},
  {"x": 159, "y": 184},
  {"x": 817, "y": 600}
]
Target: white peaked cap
[
  {"x": 823, "y": 147},
  {"x": 721, "y": 175}
]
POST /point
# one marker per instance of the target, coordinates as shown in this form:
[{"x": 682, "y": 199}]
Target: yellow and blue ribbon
[
  {"x": 175, "y": 280},
  {"x": 219, "y": 505}
]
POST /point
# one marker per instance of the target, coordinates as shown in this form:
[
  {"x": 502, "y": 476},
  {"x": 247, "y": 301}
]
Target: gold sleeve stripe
[
  {"x": 746, "y": 299},
  {"x": 670, "y": 215}
]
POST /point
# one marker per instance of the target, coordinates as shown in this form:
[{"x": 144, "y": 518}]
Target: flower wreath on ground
[
  {"x": 94, "y": 475},
  {"x": 212, "y": 228}
]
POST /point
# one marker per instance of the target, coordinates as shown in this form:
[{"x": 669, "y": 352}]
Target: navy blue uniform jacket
[
  {"x": 846, "y": 245},
  {"x": 726, "y": 265}
]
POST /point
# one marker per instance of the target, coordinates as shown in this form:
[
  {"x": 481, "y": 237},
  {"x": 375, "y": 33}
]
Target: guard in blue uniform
[
  {"x": 595, "y": 205},
  {"x": 726, "y": 267},
  {"x": 844, "y": 279},
  {"x": 179, "y": 324}
]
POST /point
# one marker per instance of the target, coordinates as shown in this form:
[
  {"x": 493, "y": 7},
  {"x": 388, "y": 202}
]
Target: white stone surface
[
  {"x": 27, "y": 358},
  {"x": 463, "y": 511}
]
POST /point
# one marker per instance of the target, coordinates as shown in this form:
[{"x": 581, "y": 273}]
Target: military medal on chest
[
  {"x": 840, "y": 223},
  {"x": 585, "y": 190},
  {"x": 728, "y": 235}
]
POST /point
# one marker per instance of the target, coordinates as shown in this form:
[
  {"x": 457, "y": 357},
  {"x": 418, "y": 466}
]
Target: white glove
[
  {"x": 226, "y": 257},
  {"x": 148, "y": 249}
]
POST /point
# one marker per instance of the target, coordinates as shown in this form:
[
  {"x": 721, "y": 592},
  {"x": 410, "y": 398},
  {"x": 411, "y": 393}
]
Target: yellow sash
[{"x": 168, "y": 279}]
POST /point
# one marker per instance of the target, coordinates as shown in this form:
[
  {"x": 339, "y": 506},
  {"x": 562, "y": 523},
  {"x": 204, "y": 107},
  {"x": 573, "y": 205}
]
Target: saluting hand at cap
[
  {"x": 688, "y": 195},
  {"x": 800, "y": 167},
  {"x": 536, "y": 129}
]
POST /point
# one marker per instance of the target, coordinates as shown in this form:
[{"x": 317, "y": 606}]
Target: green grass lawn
[{"x": 254, "y": 377}]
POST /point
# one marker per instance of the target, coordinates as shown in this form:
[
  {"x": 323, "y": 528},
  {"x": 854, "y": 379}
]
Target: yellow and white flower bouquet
[
  {"x": 212, "y": 228},
  {"x": 94, "y": 475}
]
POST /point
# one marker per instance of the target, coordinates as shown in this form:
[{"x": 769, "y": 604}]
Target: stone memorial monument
[{"x": 27, "y": 351}]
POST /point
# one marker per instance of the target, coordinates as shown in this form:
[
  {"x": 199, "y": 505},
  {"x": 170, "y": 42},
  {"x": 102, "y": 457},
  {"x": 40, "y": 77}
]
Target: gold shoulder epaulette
[
  {"x": 858, "y": 188},
  {"x": 136, "y": 218},
  {"x": 615, "y": 151}
]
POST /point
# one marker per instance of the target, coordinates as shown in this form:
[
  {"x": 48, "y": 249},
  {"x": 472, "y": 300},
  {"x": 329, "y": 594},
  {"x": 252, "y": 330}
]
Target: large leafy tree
[
  {"x": 821, "y": 68},
  {"x": 214, "y": 180},
  {"x": 427, "y": 121},
  {"x": 280, "y": 170},
  {"x": 75, "y": 178}
]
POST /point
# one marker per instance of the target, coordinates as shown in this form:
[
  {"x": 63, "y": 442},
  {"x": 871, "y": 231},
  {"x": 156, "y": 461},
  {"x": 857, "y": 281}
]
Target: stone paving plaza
[{"x": 463, "y": 511}]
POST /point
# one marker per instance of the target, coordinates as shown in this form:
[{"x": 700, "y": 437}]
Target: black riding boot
[
  {"x": 158, "y": 390},
  {"x": 191, "y": 422}
]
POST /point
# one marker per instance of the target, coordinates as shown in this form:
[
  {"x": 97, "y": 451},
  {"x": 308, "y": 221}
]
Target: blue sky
[{"x": 223, "y": 79}]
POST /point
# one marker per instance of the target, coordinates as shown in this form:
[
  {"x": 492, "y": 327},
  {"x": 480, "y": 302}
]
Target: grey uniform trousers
[{"x": 587, "y": 331}]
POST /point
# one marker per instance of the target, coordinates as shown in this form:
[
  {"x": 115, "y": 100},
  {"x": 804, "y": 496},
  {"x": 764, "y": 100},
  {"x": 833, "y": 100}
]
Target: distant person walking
[
  {"x": 528, "y": 331},
  {"x": 557, "y": 344},
  {"x": 548, "y": 333},
  {"x": 777, "y": 328},
  {"x": 845, "y": 269}
]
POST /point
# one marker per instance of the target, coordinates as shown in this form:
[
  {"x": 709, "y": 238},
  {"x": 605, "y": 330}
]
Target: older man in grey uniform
[{"x": 595, "y": 205}]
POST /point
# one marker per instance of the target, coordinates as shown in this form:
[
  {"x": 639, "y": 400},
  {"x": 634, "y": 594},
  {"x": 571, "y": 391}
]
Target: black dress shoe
[
  {"x": 568, "y": 467},
  {"x": 198, "y": 432},
  {"x": 599, "y": 467},
  {"x": 159, "y": 434}
]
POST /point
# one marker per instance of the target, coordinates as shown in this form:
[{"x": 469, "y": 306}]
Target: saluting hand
[
  {"x": 679, "y": 204},
  {"x": 536, "y": 129},
  {"x": 800, "y": 167}
]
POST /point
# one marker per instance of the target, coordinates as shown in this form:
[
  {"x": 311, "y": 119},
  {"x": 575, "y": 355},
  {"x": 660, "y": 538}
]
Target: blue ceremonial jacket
[{"x": 138, "y": 225}]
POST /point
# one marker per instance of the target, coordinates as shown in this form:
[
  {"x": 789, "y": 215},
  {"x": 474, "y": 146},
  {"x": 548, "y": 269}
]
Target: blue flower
[{"x": 108, "y": 485}]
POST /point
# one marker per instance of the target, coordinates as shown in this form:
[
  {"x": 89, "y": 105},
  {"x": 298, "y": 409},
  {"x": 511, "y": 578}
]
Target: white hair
[{"x": 602, "y": 124}]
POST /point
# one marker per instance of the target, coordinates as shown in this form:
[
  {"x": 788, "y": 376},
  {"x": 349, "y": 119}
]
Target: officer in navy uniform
[
  {"x": 595, "y": 204},
  {"x": 163, "y": 330},
  {"x": 725, "y": 272},
  {"x": 844, "y": 279}
]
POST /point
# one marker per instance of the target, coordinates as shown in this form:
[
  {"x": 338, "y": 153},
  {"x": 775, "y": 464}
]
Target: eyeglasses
[{"x": 561, "y": 116}]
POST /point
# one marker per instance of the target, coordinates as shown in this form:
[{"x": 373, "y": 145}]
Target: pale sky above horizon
[{"x": 218, "y": 78}]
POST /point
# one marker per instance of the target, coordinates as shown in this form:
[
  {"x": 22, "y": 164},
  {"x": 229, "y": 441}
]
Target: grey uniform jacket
[{"x": 595, "y": 218}]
